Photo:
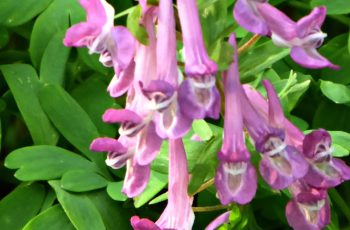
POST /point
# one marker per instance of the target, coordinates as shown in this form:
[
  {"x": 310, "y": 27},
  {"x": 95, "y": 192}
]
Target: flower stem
[
  {"x": 209, "y": 208},
  {"x": 249, "y": 43},
  {"x": 340, "y": 202},
  {"x": 204, "y": 186}
]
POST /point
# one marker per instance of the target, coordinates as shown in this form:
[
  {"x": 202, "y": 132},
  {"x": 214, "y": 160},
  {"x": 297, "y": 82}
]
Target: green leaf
[
  {"x": 92, "y": 61},
  {"x": 53, "y": 62},
  {"x": 115, "y": 215},
  {"x": 159, "y": 198},
  {"x": 204, "y": 164},
  {"x": 82, "y": 181},
  {"x": 79, "y": 208},
  {"x": 133, "y": 24},
  {"x": 14, "y": 14},
  {"x": 156, "y": 183},
  {"x": 50, "y": 199},
  {"x": 341, "y": 138},
  {"x": 24, "y": 84},
  {"x": 55, "y": 19},
  {"x": 338, "y": 93},
  {"x": 4, "y": 36},
  {"x": 202, "y": 129},
  {"x": 53, "y": 218},
  {"x": 333, "y": 6},
  {"x": 337, "y": 52},
  {"x": 22, "y": 204},
  {"x": 114, "y": 191},
  {"x": 260, "y": 58},
  {"x": 70, "y": 119},
  {"x": 44, "y": 162},
  {"x": 339, "y": 151},
  {"x": 94, "y": 98}
]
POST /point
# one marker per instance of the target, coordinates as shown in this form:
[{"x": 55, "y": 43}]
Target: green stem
[
  {"x": 340, "y": 202},
  {"x": 210, "y": 208},
  {"x": 125, "y": 12}
]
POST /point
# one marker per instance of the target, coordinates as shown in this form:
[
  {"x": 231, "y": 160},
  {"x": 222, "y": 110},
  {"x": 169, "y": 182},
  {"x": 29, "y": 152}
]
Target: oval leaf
[
  {"x": 44, "y": 162},
  {"x": 338, "y": 93},
  {"x": 82, "y": 180}
]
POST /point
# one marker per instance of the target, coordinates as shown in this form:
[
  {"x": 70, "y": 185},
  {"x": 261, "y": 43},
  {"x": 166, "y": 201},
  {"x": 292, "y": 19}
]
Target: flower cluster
[{"x": 161, "y": 105}]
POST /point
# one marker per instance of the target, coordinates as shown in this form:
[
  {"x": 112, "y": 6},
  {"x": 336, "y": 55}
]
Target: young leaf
[
  {"x": 53, "y": 217},
  {"x": 79, "y": 208},
  {"x": 44, "y": 162},
  {"x": 22, "y": 204},
  {"x": 82, "y": 181},
  {"x": 24, "y": 84}
]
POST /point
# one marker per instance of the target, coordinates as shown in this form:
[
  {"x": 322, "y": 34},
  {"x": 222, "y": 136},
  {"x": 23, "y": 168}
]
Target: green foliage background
[{"x": 52, "y": 98}]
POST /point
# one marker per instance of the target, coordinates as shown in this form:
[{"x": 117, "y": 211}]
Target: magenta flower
[
  {"x": 198, "y": 96},
  {"x": 303, "y": 37},
  {"x": 235, "y": 178},
  {"x": 115, "y": 45},
  {"x": 309, "y": 209},
  {"x": 281, "y": 164},
  {"x": 246, "y": 14},
  {"x": 325, "y": 171},
  {"x": 223, "y": 218},
  {"x": 178, "y": 214},
  {"x": 119, "y": 154},
  {"x": 161, "y": 93}
]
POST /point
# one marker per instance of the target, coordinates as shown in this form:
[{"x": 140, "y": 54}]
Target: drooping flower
[
  {"x": 115, "y": 45},
  {"x": 281, "y": 163},
  {"x": 303, "y": 37},
  {"x": 218, "y": 221},
  {"x": 235, "y": 178},
  {"x": 119, "y": 154},
  {"x": 198, "y": 96},
  {"x": 246, "y": 14},
  {"x": 325, "y": 171},
  {"x": 162, "y": 93},
  {"x": 309, "y": 208},
  {"x": 178, "y": 213}
]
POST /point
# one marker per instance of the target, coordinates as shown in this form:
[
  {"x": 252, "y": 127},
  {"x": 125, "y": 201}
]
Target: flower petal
[
  {"x": 249, "y": 18},
  {"x": 136, "y": 178},
  {"x": 278, "y": 23},
  {"x": 143, "y": 224},
  {"x": 236, "y": 182},
  {"x": 310, "y": 58},
  {"x": 314, "y": 20},
  {"x": 223, "y": 218},
  {"x": 120, "y": 116}
]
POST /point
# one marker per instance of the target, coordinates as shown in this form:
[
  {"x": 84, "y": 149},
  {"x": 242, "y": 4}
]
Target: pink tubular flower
[
  {"x": 161, "y": 93},
  {"x": 246, "y": 14},
  {"x": 325, "y": 171},
  {"x": 235, "y": 178},
  {"x": 309, "y": 208},
  {"x": 303, "y": 37},
  {"x": 115, "y": 45},
  {"x": 282, "y": 163},
  {"x": 198, "y": 96},
  {"x": 178, "y": 214}
]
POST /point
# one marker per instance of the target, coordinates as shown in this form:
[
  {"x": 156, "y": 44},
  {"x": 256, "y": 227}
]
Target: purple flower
[
  {"x": 115, "y": 45},
  {"x": 178, "y": 214},
  {"x": 119, "y": 154},
  {"x": 309, "y": 208},
  {"x": 223, "y": 218},
  {"x": 235, "y": 178},
  {"x": 147, "y": 142},
  {"x": 325, "y": 171},
  {"x": 198, "y": 96},
  {"x": 161, "y": 93},
  {"x": 246, "y": 14},
  {"x": 281, "y": 163},
  {"x": 303, "y": 37}
]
